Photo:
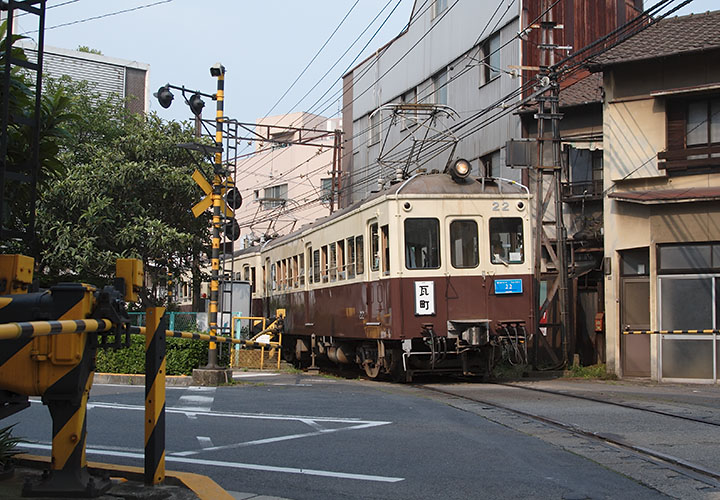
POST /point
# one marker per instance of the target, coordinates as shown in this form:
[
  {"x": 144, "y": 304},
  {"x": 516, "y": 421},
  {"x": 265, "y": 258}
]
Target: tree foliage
[
  {"x": 54, "y": 114},
  {"x": 125, "y": 190}
]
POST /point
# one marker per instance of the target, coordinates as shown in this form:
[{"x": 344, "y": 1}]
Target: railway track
[
  {"x": 715, "y": 423},
  {"x": 682, "y": 478}
]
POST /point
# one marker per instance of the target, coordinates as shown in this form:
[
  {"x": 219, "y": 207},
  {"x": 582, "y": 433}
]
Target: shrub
[{"x": 183, "y": 355}]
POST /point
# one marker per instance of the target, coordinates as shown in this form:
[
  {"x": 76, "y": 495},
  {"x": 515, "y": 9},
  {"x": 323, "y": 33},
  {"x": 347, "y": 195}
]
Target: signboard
[
  {"x": 424, "y": 298},
  {"x": 508, "y": 286}
]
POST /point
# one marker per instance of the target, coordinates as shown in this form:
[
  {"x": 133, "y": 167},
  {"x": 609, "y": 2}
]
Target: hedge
[{"x": 183, "y": 355}]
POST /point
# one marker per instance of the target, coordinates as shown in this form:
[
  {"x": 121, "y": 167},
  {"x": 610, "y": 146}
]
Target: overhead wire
[
  {"x": 313, "y": 58},
  {"x": 101, "y": 16}
]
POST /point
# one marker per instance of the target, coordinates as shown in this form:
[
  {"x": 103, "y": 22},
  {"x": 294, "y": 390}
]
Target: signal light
[
  {"x": 460, "y": 170},
  {"x": 232, "y": 230},
  {"x": 164, "y": 96},
  {"x": 233, "y": 198},
  {"x": 196, "y": 104}
]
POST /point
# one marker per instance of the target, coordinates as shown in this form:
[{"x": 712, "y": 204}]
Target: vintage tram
[{"x": 432, "y": 274}]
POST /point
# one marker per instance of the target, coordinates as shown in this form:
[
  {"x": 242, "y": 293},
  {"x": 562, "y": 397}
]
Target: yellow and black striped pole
[
  {"x": 155, "y": 396},
  {"x": 218, "y": 71}
]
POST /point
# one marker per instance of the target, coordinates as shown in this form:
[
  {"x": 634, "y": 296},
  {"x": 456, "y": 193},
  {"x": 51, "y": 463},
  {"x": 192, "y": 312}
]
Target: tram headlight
[{"x": 460, "y": 170}]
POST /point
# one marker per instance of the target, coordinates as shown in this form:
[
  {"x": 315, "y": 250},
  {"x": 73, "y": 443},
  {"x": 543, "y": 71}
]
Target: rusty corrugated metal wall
[{"x": 584, "y": 21}]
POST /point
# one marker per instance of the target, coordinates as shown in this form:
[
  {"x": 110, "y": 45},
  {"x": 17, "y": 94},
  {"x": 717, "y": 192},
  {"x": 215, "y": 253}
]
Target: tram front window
[
  {"x": 422, "y": 243},
  {"x": 506, "y": 240},
  {"x": 464, "y": 243}
]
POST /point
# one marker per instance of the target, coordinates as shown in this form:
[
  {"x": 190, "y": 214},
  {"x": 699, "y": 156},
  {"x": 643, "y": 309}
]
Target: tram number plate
[{"x": 508, "y": 286}]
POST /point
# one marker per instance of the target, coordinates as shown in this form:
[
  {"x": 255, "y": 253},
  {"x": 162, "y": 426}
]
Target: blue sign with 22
[{"x": 508, "y": 286}]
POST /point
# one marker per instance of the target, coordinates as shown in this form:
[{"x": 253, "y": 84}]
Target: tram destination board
[{"x": 508, "y": 286}]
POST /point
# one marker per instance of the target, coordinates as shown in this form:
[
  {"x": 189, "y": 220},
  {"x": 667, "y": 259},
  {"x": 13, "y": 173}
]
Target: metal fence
[{"x": 176, "y": 320}]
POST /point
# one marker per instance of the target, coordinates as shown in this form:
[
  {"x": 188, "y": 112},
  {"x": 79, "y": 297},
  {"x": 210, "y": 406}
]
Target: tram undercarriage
[{"x": 468, "y": 348}]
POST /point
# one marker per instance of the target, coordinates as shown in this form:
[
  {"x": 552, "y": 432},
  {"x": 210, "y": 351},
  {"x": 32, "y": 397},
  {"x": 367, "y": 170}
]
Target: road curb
[
  {"x": 202, "y": 486},
  {"x": 129, "y": 379}
]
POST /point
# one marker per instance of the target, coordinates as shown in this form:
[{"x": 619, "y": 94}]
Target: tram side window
[
  {"x": 253, "y": 287},
  {"x": 350, "y": 257},
  {"x": 273, "y": 277},
  {"x": 385, "y": 243},
  {"x": 464, "y": 243},
  {"x": 324, "y": 263},
  {"x": 301, "y": 269},
  {"x": 316, "y": 266},
  {"x": 310, "y": 264},
  {"x": 506, "y": 240},
  {"x": 359, "y": 256},
  {"x": 422, "y": 243},
  {"x": 295, "y": 271},
  {"x": 374, "y": 247},
  {"x": 341, "y": 259},
  {"x": 333, "y": 262}
]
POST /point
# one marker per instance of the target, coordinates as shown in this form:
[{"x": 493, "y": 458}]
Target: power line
[
  {"x": 102, "y": 16},
  {"x": 313, "y": 59}
]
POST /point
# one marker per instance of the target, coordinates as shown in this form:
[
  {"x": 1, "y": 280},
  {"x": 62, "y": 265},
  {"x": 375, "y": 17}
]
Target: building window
[
  {"x": 422, "y": 243},
  {"x": 703, "y": 122},
  {"x": 440, "y": 93},
  {"x": 506, "y": 240},
  {"x": 490, "y": 68},
  {"x": 326, "y": 189},
  {"x": 490, "y": 164},
  {"x": 410, "y": 114},
  {"x": 375, "y": 128},
  {"x": 693, "y": 135},
  {"x": 464, "y": 243},
  {"x": 275, "y": 196},
  {"x": 439, "y": 6}
]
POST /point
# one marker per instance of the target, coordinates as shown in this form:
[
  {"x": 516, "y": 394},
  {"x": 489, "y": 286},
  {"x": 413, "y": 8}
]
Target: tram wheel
[{"x": 372, "y": 369}]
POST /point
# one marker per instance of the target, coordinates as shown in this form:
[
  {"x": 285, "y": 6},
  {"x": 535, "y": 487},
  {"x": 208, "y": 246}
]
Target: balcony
[
  {"x": 584, "y": 190},
  {"x": 693, "y": 158}
]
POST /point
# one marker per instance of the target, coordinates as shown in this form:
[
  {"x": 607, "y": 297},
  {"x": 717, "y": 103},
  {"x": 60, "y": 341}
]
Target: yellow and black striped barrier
[
  {"x": 155, "y": 361},
  {"x": 31, "y": 329},
  {"x": 670, "y": 332}
]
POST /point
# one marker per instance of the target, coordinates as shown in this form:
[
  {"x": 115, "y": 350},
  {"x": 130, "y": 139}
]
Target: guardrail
[{"x": 669, "y": 332}]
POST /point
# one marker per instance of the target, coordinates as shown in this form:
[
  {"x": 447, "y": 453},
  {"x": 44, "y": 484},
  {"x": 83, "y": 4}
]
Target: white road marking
[
  {"x": 250, "y": 375},
  {"x": 205, "y": 441},
  {"x": 140, "y": 386},
  {"x": 196, "y": 402},
  {"x": 233, "y": 465}
]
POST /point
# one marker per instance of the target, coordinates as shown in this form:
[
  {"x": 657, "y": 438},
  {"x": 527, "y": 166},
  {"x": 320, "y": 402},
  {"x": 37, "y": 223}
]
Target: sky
[{"x": 264, "y": 46}]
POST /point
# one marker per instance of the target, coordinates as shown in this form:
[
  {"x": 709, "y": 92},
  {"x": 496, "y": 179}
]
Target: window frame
[
  {"x": 451, "y": 245},
  {"x": 438, "y": 242}
]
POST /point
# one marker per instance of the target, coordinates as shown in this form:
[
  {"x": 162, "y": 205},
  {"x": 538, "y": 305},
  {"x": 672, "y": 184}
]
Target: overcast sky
[{"x": 263, "y": 45}]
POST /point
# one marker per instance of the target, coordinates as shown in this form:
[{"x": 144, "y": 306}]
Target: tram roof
[{"x": 421, "y": 184}]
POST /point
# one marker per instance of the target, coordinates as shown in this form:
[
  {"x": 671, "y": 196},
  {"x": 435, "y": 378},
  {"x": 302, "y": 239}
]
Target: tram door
[{"x": 635, "y": 311}]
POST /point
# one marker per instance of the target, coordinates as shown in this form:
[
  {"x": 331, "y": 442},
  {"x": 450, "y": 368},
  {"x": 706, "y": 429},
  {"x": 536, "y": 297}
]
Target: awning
[{"x": 664, "y": 196}]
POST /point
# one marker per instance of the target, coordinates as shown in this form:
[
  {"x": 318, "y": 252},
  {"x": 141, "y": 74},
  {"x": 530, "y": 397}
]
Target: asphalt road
[{"x": 302, "y": 437}]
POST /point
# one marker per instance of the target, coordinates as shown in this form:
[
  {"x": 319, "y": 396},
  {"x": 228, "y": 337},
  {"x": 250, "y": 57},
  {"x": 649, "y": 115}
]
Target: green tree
[
  {"x": 54, "y": 113},
  {"x": 124, "y": 191}
]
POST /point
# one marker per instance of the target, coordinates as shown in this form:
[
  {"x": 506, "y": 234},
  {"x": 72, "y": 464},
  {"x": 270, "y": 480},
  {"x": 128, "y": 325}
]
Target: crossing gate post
[{"x": 156, "y": 324}]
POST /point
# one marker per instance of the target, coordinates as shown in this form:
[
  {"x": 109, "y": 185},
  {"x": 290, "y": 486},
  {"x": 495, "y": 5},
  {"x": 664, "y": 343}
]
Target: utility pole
[
  {"x": 218, "y": 71},
  {"x": 557, "y": 292}
]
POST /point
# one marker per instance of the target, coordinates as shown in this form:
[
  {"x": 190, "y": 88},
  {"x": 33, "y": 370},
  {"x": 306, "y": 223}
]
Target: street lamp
[{"x": 232, "y": 230}]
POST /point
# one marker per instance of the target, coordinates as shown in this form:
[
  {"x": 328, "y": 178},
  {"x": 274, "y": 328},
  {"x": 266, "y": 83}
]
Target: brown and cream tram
[{"x": 429, "y": 275}]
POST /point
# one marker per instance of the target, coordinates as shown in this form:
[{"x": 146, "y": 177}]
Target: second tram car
[{"x": 433, "y": 274}]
